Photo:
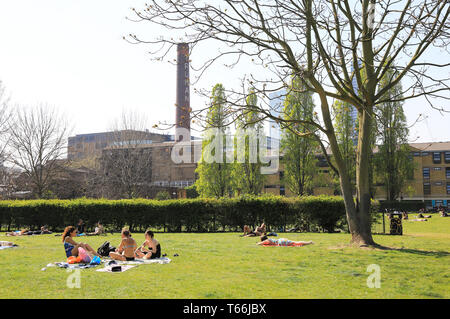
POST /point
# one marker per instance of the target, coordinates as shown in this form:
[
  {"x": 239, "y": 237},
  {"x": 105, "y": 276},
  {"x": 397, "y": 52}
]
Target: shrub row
[{"x": 319, "y": 213}]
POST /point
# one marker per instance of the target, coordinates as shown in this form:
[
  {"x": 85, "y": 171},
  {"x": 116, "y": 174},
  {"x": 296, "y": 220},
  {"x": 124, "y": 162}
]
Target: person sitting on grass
[
  {"x": 71, "y": 247},
  {"x": 259, "y": 231},
  {"x": 265, "y": 241},
  {"x": 248, "y": 232},
  {"x": 80, "y": 227},
  {"x": 442, "y": 213},
  {"x": 45, "y": 231},
  {"x": 99, "y": 230},
  {"x": 126, "y": 249},
  {"x": 153, "y": 249}
]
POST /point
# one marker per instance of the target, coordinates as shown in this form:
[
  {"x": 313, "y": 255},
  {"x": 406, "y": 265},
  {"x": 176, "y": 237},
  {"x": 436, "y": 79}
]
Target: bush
[
  {"x": 311, "y": 213},
  {"x": 164, "y": 195}
]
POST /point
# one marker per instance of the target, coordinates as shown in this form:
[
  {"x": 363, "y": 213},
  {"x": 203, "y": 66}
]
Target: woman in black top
[{"x": 153, "y": 249}]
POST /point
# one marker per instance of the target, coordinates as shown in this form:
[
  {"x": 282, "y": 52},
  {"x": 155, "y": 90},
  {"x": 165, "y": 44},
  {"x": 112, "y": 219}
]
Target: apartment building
[{"x": 429, "y": 183}]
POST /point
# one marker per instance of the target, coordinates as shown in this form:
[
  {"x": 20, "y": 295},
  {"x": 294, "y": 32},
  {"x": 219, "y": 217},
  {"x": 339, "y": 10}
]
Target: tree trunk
[
  {"x": 362, "y": 235},
  {"x": 358, "y": 214}
]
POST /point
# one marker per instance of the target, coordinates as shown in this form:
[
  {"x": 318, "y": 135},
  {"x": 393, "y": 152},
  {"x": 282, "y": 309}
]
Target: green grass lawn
[{"x": 225, "y": 265}]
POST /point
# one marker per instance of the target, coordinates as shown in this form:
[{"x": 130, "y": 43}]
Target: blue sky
[{"x": 71, "y": 55}]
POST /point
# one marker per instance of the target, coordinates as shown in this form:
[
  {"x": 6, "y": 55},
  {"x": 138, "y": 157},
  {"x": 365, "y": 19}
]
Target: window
[
  {"x": 438, "y": 183},
  {"x": 426, "y": 172},
  {"x": 281, "y": 175},
  {"x": 424, "y": 154},
  {"x": 416, "y": 154},
  {"x": 447, "y": 157},
  {"x": 448, "y": 190},
  {"x": 447, "y": 172},
  {"x": 437, "y": 168},
  {"x": 436, "y": 157},
  {"x": 426, "y": 188},
  {"x": 282, "y": 191}
]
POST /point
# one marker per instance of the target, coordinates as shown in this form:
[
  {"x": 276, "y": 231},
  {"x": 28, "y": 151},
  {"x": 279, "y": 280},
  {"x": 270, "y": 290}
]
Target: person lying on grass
[
  {"x": 71, "y": 247},
  {"x": 154, "y": 248},
  {"x": 27, "y": 232},
  {"x": 126, "y": 249},
  {"x": 7, "y": 244},
  {"x": 265, "y": 241},
  {"x": 22, "y": 232},
  {"x": 45, "y": 231}
]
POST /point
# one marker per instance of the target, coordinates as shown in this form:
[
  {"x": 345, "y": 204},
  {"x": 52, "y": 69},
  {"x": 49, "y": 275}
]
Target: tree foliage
[
  {"x": 214, "y": 173},
  {"x": 298, "y": 142}
]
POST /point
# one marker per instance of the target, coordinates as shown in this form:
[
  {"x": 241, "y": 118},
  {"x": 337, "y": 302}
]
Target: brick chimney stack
[{"x": 183, "y": 105}]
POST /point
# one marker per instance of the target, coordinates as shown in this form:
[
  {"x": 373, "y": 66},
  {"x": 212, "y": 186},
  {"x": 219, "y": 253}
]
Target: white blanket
[
  {"x": 138, "y": 261},
  {"x": 133, "y": 263}
]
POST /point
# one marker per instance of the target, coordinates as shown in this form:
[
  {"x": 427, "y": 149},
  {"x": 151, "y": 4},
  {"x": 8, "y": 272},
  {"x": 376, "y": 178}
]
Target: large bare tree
[
  {"x": 126, "y": 163},
  {"x": 337, "y": 47},
  {"x": 38, "y": 141}
]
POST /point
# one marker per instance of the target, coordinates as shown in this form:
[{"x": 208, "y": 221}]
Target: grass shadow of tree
[{"x": 410, "y": 251}]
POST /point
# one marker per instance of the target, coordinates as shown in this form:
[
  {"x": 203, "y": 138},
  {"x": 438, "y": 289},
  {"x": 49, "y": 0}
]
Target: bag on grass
[{"x": 105, "y": 249}]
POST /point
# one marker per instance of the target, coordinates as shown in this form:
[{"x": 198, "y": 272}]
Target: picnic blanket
[
  {"x": 136, "y": 262},
  {"x": 133, "y": 263},
  {"x": 69, "y": 266}
]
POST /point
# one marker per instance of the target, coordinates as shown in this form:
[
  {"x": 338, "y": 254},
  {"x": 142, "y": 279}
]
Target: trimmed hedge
[{"x": 311, "y": 213}]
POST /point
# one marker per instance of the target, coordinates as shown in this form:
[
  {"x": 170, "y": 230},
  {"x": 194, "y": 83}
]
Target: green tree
[
  {"x": 246, "y": 174},
  {"x": 298, "y": 142},
  {"x": 213, "y": 170},
  {"x": 393, "y": 163},
  {"x": 346, "y": 129},
  {"x": 323, "y": 42}
]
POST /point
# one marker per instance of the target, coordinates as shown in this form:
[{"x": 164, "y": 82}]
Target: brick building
[{"x": 85, "y": 146}]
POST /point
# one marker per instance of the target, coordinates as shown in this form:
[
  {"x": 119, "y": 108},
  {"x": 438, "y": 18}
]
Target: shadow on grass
[{"x": 410, "y": 251}]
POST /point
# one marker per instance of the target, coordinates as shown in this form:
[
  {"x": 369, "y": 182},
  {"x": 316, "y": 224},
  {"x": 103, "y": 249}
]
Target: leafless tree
[
  {"x": 333, "y": 46},
  {"x": 38, "y": 143},
  {"x": 126, "y": 163}
]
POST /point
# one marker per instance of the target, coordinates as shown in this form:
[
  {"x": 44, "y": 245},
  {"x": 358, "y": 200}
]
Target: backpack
[{"x": 105, "y": 249}]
